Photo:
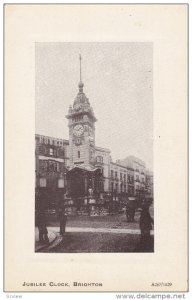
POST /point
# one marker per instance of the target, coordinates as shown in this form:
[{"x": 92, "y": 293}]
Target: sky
[{"x": 118, "y": 80}]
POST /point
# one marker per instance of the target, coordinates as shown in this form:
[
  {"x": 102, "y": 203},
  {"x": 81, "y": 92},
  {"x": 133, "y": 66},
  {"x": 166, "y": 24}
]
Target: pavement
[
  {"x": 54, "y": 239},
  {"x": 101, "y": 230}
]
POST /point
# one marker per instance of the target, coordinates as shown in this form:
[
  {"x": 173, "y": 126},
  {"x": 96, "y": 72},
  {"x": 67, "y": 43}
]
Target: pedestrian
[
  {"x": 63, "y": 220},
  {"x": 146, "y": 222},
  {"x": 128, "y": 213},
  {"x": 41, "y": 224},
  {"x": 132, "y": 214},
  {"x": 130, "y": 210}
]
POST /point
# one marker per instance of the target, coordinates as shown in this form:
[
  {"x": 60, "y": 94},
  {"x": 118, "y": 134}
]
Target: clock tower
[{"x": 81, "y": 130}]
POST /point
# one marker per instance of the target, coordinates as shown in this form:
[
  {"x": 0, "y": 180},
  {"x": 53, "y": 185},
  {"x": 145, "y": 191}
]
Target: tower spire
[
  {"x": 80, "y": 58},
  {"x": 80, "y": 82}
]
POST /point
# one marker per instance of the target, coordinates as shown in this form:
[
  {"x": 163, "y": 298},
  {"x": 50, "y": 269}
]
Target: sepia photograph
[
  {"x": 96, "y": 123},
  {"x": 94, "y": 147}
]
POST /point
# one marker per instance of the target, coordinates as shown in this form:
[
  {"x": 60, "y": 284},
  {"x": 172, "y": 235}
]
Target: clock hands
[{"x": 78, "y": 129}]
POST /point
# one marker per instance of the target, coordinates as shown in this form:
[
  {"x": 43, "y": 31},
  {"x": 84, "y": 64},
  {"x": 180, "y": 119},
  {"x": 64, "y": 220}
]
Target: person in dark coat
[
  {"x": 41, "y": 224},
  {"x": 130, "y": 211},
  {"x": 127, "y": 213},
  {"x": 63, "y": 220},
  {"x": 146, "y": 222}
]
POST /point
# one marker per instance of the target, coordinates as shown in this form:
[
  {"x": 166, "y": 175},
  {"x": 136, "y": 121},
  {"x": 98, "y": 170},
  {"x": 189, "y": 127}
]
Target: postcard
[{"x": 96, "y": 116}]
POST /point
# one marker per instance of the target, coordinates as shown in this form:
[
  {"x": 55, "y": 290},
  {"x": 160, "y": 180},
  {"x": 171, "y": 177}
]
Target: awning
[
  {"x": 84, "y": 168},
  {"x": 131, "y": 198}
]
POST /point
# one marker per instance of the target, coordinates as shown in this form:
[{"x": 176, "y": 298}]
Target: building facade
[
  {"x": 51, "y": 165},
  {"x": 149, "y": 183},
  {"x": 139, "y": 173}
]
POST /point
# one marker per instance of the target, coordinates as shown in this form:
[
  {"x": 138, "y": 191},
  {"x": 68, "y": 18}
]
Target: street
[
  {"x": 104, "y": 234},
  {"x": 108, "y": 221},
  {"x": 91, "y": 242}
]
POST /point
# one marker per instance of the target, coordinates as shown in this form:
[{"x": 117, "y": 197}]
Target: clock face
[{"x": 78, "y": 130}]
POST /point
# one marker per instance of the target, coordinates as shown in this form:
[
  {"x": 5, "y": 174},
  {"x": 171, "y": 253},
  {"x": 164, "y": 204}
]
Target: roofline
[
  {"x": 51, "y": 137},
  {"x": 102, "y": 149},
  {"x": 135, "y": 159},
  {"x": 127, "y": 168}
]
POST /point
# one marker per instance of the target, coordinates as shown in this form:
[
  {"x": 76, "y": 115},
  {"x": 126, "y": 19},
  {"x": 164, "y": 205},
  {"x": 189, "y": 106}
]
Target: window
[
  {"x": 91, "y": 154},
  {"x": 111, "y": 173},
  {"x": 51, "y": 151},
  {"x": 116, "y": 174},
  {"x": 45, "y": 151},
  {"x": 100, "y": 159},
  {"x": 78, "y": 154},
  {"x": 52, "y": 166},
  {"x": 42, "y": 165},
  {"x": 60, "y": 183},
  {"x": 42, "y": 182},
  {"x": 41, "y": 150},
  {"x": 78, "y": 141},
  {"x": 112, "y": 186},
  {"x": 101, "y": 170},
  {"x": 60, "y": 152},
  {"x": 45, "y": 165},
  {"x": 77, "y": 118}
]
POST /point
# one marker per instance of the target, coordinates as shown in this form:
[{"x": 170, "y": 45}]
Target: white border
[{"x": 93, "y": 296}]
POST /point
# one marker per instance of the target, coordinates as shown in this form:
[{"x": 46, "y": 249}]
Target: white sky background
[{"x": 117, "y": 80}]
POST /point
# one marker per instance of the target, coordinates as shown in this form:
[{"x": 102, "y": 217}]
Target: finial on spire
[{"x": 80, "y": 83}]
